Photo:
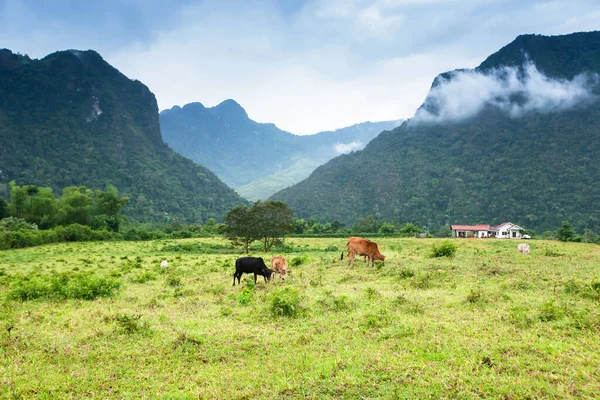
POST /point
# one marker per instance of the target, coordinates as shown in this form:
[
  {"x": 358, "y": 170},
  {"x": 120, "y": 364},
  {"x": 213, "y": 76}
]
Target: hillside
[
  {"x": 258, "y": 159},
  {"x": 72, "y": 119},
  {"x": 526, "y": 153}
]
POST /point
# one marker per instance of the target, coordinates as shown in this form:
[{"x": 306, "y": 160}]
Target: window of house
[{"x": 514, "y": 234}]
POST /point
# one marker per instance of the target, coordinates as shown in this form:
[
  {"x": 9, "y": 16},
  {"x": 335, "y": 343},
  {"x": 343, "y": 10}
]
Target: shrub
[
  {"x": 143, "y": 277},
  {"x": 405, "y": 273},
  {"x": 285, "y": 302},
  {"x": 296, "y": 261},
  {"x": 130, "y": 324},
  {"x": 446, "y": 249},
  {"x": 81, "y": 286}
]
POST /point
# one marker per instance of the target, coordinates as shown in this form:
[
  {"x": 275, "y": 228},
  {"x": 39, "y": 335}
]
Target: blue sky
[{"x": 306, "y": 65}]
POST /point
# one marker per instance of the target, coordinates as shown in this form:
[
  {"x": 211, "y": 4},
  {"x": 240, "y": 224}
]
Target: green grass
[{"x": 488, "y": 322}]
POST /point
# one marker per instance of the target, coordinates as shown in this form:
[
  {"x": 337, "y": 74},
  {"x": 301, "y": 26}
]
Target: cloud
[
  {"x": 348, "y": 147},
  {"x": 515, "y": 91}
]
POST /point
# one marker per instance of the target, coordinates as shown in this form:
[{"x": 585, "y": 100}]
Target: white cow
[{"x": 523, "y": 248}]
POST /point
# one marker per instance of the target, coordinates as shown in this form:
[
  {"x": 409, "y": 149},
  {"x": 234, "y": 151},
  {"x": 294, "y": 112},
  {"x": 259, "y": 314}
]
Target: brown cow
[
  {"x": 280, "y": 265},
  {"x": 362, "y": 247}
]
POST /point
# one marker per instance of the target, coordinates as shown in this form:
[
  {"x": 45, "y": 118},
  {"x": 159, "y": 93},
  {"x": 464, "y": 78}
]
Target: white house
[{"x": 506, "y": 230}]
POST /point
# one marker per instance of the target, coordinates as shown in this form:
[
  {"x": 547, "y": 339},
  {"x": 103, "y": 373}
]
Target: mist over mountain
[
  {"x": 71, "y": 119},
  {"x": 515, "y": 139},
  {"x": 258, "y": 159}
]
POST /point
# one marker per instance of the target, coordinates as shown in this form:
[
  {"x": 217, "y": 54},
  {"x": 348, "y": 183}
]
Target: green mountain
[
  {"x": 257, "y": 159},
  {"x": 72, "y": 119},
  {"x": 527, "y": 152}
]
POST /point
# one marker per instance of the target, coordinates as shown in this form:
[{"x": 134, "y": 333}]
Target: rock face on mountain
[
  {"x": 257, "y": 159},
  {"x": 517, "y": 139},
  {"x": 72, "y": 119}
]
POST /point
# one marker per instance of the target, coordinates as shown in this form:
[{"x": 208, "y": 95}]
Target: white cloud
[
  {"x": 515, "y": 92},
  {"x": 348, "y": 147}
]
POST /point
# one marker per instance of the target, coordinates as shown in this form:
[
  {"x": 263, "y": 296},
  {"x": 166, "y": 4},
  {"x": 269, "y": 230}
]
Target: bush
[
  {"x": 285, "y": 302},
  {"x": 446, "y": 249},
  {"x": 130, "y": 324},
  {"x": 81, "y": 286},
  {"x": 296, "y": 261}
]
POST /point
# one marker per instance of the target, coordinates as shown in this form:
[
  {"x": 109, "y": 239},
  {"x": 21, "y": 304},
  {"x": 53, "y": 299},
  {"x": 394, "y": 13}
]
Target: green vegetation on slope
[
  {"x": 536, "y": 170},
  {"x": 487, "y": 323},
  {"x": 71, "y": 119}
]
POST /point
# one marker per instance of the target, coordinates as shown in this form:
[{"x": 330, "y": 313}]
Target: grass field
[{"x": 103, "y": 320}]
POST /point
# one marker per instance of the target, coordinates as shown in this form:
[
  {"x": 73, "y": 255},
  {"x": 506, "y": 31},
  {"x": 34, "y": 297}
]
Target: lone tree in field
[
  {"x": 266, "y": 221},
  {"x": 273, "y": 220}
]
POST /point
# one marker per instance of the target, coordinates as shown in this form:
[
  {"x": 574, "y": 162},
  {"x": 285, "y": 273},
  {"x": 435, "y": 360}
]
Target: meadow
[{"x": 104, "y": 320}]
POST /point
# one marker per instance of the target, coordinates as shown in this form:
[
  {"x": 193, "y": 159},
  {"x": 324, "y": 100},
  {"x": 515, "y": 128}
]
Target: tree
[
  {"x": 239, "y": 227},
  {"x": 300, "y": 226},
  {"x": 267, "y": 221},
  {"x": 4, "y": 211},
  {"x": 565, "y": 233},
  {"x": 76, "y": 206},
  {"x": 273, "y": 219},
  {"x": 366, "y": 224},
  {"x": 409, "y": 229},
  {"x": 386, "y": 228}
]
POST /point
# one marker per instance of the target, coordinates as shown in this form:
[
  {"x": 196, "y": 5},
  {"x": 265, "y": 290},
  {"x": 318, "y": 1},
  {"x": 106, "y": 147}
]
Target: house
[{"x": 506, "y": 230}]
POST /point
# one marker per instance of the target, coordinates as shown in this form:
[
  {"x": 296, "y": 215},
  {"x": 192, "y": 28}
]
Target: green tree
[
  {"x": 300, "y": 226},
  {"x": 590, "y": 236},
  {"x": 272, "y": 219},
  {"x": 387, "y": 229},
  {"x": 4, "y": 211},
  {"x": 18, "y": 196},
  {"x": 565, "y": 233},
  {"x": 107, "y": 208},
  {"x": 239, "y": 227},
  {"x": 366, "y": 224},
  {"x": 409, "y": 229},
  {"x": 76, "y": 206}
]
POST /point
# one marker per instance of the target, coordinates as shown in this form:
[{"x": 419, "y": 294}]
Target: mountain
[
  {"x": 516, "y": 139},
  {"x": 258, "y": 159},
  {"x": 72, "y": 119}
]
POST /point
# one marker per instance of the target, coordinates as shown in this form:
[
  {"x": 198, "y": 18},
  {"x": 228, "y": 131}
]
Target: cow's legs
[
  {"x": 350, "y": 258},
  {"x": 255, "y": 278}
]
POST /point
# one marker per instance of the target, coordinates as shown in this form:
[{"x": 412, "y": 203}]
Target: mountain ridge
[
  {"x": 534, "y": 170},
  {"x": 71, "y": 118}
]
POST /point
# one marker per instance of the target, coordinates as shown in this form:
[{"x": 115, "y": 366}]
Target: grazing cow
[
  {"x": 362, "y": 247},
  {"x": 523, "y": 248},
  {"x": 280, "y": 266},
  {"x": 251, "y": 265}
]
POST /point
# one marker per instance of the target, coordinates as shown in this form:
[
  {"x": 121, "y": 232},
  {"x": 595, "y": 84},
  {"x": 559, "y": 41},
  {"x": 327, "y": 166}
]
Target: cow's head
[
  {"x": 380, "y": 257},
  {"x": 267, "y": 273}
]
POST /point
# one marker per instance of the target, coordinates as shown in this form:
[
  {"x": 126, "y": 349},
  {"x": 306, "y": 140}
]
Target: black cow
[{"x": 251, "y": 265}]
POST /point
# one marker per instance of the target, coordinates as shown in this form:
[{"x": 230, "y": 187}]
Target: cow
[
  {"x": 251, "y": 265},
  {"x": 280, "y": 266},
  {"x": 523, "y": 248},
  {"x": 362, "y": 247}
]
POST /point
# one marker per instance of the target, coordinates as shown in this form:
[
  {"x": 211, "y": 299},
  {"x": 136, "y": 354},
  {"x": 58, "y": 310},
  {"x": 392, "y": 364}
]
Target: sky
[{"x": 305, "y": 65}]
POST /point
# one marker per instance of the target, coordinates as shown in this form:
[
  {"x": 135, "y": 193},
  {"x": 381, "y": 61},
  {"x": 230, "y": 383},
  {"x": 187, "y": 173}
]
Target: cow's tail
[{"x": 342, "y": 256}]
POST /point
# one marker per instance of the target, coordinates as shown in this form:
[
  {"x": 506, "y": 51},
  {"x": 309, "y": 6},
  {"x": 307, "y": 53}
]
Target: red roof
[
  {"x": 479, "y": 227},
  {"x": 499, "y": 226}
]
